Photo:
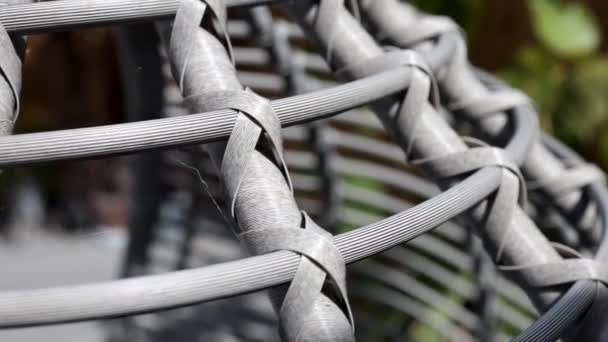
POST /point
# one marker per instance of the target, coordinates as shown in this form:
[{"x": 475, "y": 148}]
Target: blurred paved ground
[{"x": 40, "y": 259}]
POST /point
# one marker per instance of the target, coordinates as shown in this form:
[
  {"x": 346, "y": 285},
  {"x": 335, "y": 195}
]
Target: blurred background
[{"x": 554, "y": 50}]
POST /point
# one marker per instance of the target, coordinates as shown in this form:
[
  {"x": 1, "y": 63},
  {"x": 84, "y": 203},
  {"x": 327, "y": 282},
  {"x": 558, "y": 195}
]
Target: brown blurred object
[
  {"x": 600, "y": 10},
  {"x": 71, "y": 80},
  {"x": 503, "y": 27}
]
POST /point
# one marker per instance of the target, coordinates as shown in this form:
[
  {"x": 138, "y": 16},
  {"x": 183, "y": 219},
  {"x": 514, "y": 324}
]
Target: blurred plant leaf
[
  {"x": 540, "y": 76},
  {"x": 567, "y": 29},
  {"x": 585, "y": 109}
]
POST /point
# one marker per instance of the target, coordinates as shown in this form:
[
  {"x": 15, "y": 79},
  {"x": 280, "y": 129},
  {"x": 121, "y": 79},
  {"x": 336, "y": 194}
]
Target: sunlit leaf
[{"x": 567, "y": 29}]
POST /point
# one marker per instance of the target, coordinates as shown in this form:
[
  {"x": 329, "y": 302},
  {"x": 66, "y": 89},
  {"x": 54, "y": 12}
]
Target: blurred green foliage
[{"x": 567, "y": 29}]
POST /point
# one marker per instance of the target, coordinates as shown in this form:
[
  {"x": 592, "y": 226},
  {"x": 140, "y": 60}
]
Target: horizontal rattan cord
[
  {"x": 75, "y": 14},
  {"x": 200, "y": 128},
  {"x": 151, "y": 293}
]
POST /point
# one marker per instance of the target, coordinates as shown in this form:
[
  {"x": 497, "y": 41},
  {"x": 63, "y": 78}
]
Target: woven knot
[
  {"x": 422, "y": 29},
  {"x": 257, "y": 183},
  {"x": 576, "y": 176},
  {"x": 479, "y": 108},
  {"x": 512, "y": 188},
  {"x": 391, "y": 59},
  {"x": 256, "y": 119},
  {"x": 6, "y": 126},
  {"x": 422, "y": 89},
  {"x": 320, "y": 261},
  {"x": 573, "y": 268}
]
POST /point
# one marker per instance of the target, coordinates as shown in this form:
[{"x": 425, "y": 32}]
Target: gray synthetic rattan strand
[
  {"x": 75, "y": 14},
  {"x": 258, "y": 188},
  {"x": 192, "y": 129}
]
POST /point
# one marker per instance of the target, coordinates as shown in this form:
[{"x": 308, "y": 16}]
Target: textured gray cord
[
  {"x": 75, "y": 14},
  {"x": 258, "y": 192},
  {"x": 208, "y": 127},
  {"x": 562, "y": 315}
]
